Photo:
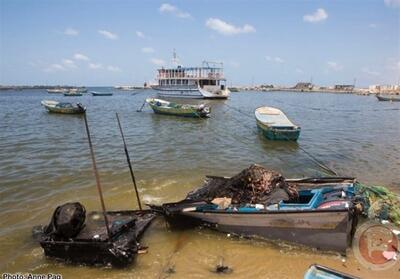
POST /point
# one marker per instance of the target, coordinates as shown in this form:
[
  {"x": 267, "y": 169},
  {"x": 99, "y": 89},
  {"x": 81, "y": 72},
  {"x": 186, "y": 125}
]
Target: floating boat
[
  {"x": 126, "y": 88},
  {"x": 275, "y": 125},
  {"x": 67, "y": 108},
  {"x": 322, "y": 272},
  {"x": 82, "y": 89},
  {"x": 73, "y": 93},
  {"x": 92, "y": 246},
  {"x": 94, "y": 93},
  {"x": 57, "y": 91},
  {"x": 205, "y": 82},
  {"x": 390, "y": 98},
  {"x": 164, "y": 107},
  {"x": 322, "y": 217}
]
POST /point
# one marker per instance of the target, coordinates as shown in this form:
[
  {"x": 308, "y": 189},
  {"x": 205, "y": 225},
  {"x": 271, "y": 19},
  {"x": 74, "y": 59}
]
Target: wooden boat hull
[
  {"x": 89, "y": 250},
  {"x": 388, "y": 98},
  {"x": 176, "y": 112},
  {"x": 65, "y": 110},
  {"x": 179, "y": 111},
  {"x": 322, "y": 229},
  {"x": 271, "y": 133}
]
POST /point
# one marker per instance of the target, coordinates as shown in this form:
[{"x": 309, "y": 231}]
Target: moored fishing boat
[
  {"x": 164, "y": 107},
  {"x": 322, "y": 216},
  {"x": 391, "y": 98},
  {"x": 275, "y": 125},
  {"x": 57, "y": 91},
  {"x": 67, "y": 108},
  {"x": 73, "y": 93},
  {"x": 82, "y": 89},
  {"x": 95, "y": 93}
]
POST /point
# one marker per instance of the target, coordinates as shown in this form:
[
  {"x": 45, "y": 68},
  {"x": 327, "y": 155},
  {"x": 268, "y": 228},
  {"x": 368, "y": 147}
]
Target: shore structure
[{"x": 307, "y": 87}]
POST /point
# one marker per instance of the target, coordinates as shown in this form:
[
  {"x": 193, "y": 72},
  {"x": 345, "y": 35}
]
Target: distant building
[
  {"x": 388, "y": 89},
  {"x": 303, "y": 86},
  {"x": 344, "y": 87}
]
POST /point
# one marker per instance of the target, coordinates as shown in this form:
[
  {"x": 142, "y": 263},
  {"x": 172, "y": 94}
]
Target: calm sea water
[{"x": 45, "y": 161}]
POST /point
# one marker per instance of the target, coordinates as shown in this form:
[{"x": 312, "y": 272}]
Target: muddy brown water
[{"x": 44, "y": 162}]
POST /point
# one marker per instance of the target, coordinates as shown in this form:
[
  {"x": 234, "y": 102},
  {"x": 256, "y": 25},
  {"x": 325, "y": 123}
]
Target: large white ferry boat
[{"x": 207, "y": 81}]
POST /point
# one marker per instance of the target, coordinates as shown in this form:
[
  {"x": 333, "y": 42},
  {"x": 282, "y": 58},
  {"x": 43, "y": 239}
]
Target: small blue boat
[
  {"x": 275, "y": 125},
  {"x": 94, "y": 93},
  {"x": 321, "y": 272}
]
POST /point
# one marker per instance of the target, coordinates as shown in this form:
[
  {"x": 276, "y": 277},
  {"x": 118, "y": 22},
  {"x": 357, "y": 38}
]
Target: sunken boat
[
  {"x": 81, "y": 238},
  {"x": 259, "y": 202},
  {"x": 96, "y": 238}
]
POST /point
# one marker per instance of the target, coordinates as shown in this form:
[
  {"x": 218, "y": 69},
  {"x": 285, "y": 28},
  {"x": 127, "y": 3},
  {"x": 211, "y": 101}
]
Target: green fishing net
[{"x": 380, "y": 202}]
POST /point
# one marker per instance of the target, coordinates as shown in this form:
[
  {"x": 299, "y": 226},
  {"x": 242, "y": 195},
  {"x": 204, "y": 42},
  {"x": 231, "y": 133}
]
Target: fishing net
[
  {"x": 254, "y": 184},
  {"x": 380, "y": 202}
]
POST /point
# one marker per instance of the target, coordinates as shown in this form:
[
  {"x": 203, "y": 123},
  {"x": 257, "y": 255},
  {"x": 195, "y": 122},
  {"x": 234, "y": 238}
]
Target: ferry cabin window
[{"x": 207, "y": 82}]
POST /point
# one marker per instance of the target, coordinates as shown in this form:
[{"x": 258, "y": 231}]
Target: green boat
[
  {"x": 275, "y": 125},
  {"x": 67, "y": 108},
  {"x": 164, "y": 107}
]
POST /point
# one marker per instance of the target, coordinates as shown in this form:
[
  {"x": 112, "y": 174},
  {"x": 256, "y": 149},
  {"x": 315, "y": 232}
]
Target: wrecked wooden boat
[
  {"x": 66, "y": 108},
  {"x": 164, "y": 107},
  {"x": 320, "y": 217},
  {"x": 275, "y": 125},
  {"x": 92, "y": 245},
  {"x": 96, "y": 238}
]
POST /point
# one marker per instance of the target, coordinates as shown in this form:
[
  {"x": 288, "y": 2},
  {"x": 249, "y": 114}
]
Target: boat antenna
[
  {"x": 96, "y": 174},
  {"x": 175, "y": 59},
  {"x": 129, "y": 162}
]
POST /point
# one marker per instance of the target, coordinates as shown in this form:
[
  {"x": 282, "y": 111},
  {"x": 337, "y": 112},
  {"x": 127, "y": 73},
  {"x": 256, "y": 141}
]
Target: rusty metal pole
[
  {"x": 96, "y": 174},
  {"x": 129, "y": 163}
]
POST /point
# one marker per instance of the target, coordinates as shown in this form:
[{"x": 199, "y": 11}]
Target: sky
[{"x": 121, "y": 42}]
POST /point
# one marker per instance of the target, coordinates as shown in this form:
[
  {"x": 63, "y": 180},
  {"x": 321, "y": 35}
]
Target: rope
[{"x": 313, "y": 158}]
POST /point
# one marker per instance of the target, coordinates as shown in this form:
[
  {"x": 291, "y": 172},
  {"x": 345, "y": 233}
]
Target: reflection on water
[{"x": 45, "y": 161}]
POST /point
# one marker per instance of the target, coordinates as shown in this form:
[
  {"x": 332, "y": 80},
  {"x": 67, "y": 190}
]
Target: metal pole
[
  {"x": 129, "y": 163},
  {"x": 97, "y": 179}
]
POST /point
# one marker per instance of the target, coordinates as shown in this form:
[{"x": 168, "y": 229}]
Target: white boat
[
  {"x": 57, "y": 91},
  {"x": 125, "y": 87},
  {"x": 205, "y": 82}
]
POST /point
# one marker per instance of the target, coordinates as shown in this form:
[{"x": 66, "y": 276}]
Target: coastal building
[
  {"x": 387, "y": 89},
  {"x": 344, "y": 87},
  {"x": 303, "y": 86}
]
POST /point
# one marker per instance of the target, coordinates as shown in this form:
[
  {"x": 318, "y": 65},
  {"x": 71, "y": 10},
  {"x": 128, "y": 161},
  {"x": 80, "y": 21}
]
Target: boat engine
[{"x": 67, "y": 221}]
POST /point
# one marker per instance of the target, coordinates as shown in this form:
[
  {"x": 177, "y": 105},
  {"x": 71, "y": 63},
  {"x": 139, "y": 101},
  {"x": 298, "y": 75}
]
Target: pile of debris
[{"x": 253, "y": 185}]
